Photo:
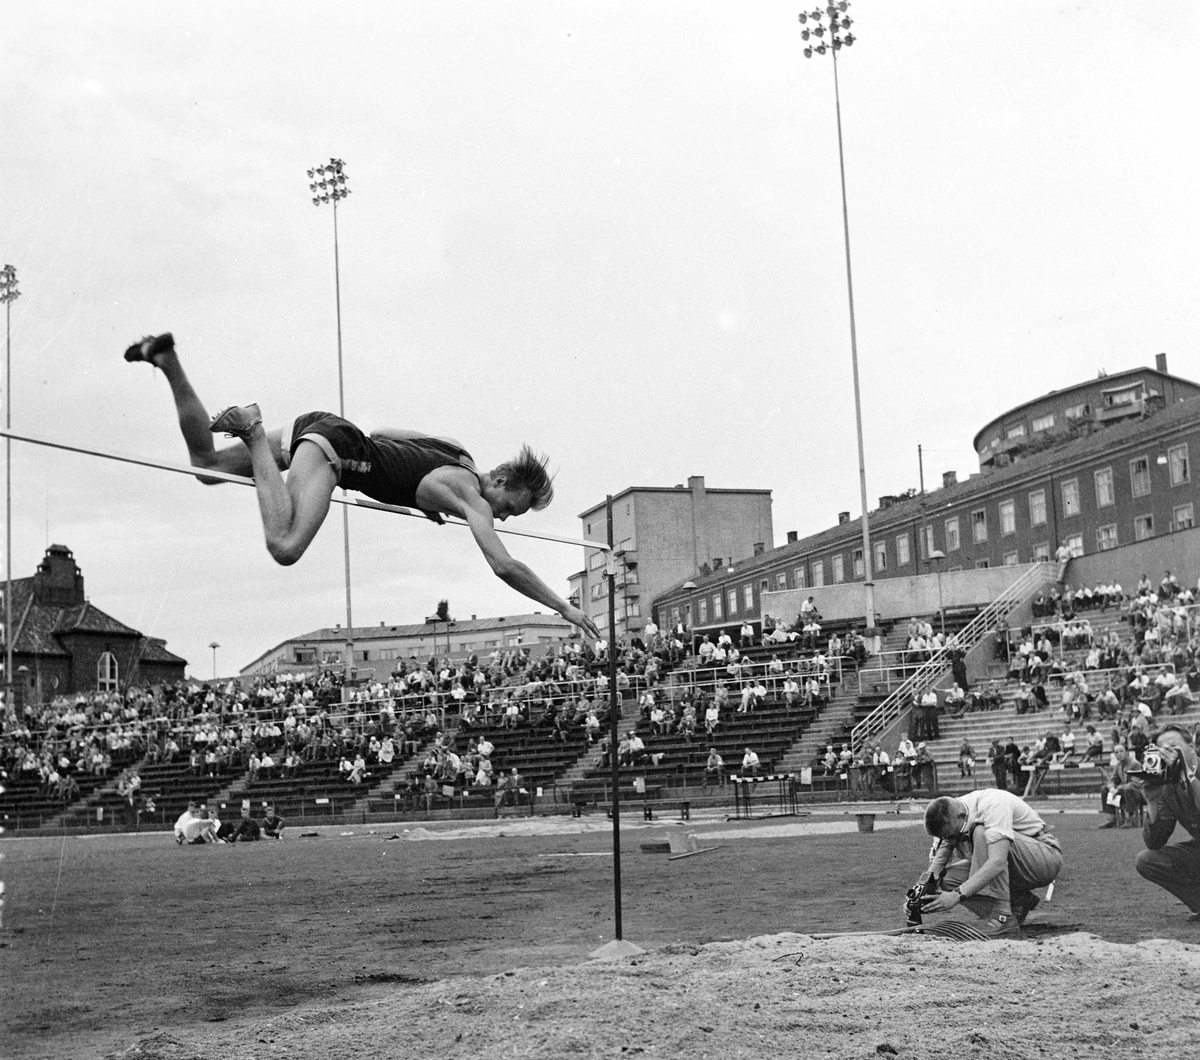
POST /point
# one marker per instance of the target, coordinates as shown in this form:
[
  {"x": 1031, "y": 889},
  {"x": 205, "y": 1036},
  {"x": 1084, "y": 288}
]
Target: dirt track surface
[{"x": 478, "y": 946}]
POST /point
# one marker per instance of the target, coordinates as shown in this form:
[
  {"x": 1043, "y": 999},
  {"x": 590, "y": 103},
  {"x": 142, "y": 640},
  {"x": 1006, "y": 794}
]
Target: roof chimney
[
  {"x": 843, "y": 517},
  {"x": 792, "y": 537},
  {"x": 949, "y": 478},
  {"x": 1160, "y": 362}
]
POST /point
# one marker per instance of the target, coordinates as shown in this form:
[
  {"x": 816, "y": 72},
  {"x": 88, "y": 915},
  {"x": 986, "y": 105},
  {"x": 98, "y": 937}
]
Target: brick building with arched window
[{"x": 64, "y": 644}]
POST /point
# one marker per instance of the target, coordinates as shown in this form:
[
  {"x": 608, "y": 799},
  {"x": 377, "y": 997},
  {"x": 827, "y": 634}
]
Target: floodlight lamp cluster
[
  {"x": 836, "y": 29},
  {"x": 8, "y": 285},
  {"x": 328, "y": 182}
]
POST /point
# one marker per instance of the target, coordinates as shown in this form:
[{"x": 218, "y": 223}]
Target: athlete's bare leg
[
  {"x": 193, "y": 424},
  {"x": 294, "y": 508}
]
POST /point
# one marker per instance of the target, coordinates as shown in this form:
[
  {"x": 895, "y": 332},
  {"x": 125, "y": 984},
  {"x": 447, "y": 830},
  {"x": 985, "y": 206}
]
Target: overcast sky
[{"x": 612, "y": 230}]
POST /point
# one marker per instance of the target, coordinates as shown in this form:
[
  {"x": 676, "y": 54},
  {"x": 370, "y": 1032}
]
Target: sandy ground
[{"x": 477, "y": 945}]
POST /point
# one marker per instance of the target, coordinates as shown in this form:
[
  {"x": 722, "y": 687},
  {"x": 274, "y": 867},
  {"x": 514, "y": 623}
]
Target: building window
[
  {"x": 951, "y": 535},
  {"x": 1075, "y": 544},
  {"x": 1077, "y": 412},
  {"x": 1106, "y": 537},
  {"x": 1070, "y": 495},
  {"x": 1037, "y": 508},
  {"x": 902, "y": 556},
  {"x": 732, "y": 596},
  {"x": 979, "y": 525},
  {"x": 106, "y": 672},
  {"x": 1184, "y": 517},
  {"x": 597, "y": 560},
  {"x": 1043, "y": 423},
  {"x": 982, "y": 564},
  {"x": 1017, "y": 431},
  {"x": 801, "y": 582},
  {"x": 1143, "y": 527},
  {"x": 1011, "y": 559},
  {"x": 857, "y": 558},
  {"x": 839, "y": 573},
  {"x": 928, "y": 541},
  {"x": 718, "y": 609},
  {"x": 1139, "y": 476},
  {"x": 633, "y": 610},
  {"x": 1181, "y": 472},
  {"x": 1104, "y": 488},
  {"x": 1008, "y": 518},
  {"x": 703, "y": 611},
  {"x": 880, "y": 555},
  {"x": 748, "y": 598},
  {"x": 780, "y": 581},
  {"x": 1041, "y": 552}
]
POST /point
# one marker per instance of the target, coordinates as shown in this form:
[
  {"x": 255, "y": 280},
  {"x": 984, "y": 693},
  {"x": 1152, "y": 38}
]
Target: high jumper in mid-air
[{"x": 321, "y": 451}]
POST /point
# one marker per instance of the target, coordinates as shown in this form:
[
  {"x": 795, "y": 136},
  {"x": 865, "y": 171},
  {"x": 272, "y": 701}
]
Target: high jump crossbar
[{"x": 241, "y": 480}]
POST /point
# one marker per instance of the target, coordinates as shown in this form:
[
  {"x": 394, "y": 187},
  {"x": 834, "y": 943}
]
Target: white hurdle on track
[{"x": 241, "y": 480}]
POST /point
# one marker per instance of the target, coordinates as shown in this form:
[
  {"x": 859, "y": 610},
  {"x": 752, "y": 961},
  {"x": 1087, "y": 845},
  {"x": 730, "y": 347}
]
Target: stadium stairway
[
  {"x": 317, "y": 789},
  {"x": 629, "y": 713},
  {"x": 24, "y": 803},
  {"x": 171, "y": 784}
]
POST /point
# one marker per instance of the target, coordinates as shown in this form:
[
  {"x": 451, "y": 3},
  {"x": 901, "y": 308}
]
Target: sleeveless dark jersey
[
  {"x": 385, "y": 469},
  {"x": 396, "y": 468}
]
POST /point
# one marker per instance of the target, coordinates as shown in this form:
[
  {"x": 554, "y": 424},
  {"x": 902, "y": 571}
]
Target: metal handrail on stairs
[{"x": 874, "y": 724}]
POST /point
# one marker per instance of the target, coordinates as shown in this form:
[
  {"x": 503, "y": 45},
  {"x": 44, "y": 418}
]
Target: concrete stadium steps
[
  {"x": 769, "y": 731},
  {"x": 24, "y": 804},
  {"x": 172, "y": 785},
  {"x": 297, "y": 795},
  {"x": 538, "y": 757}
]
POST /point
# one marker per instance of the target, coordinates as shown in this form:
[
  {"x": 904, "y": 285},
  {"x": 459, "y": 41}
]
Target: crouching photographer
[
  {"x": 990, "y": 851},
  {"x": 1172, "y": 793}
]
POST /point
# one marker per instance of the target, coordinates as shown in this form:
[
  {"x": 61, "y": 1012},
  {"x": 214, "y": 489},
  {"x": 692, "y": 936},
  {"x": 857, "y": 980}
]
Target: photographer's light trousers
[{"x": 1032, "y": 862}]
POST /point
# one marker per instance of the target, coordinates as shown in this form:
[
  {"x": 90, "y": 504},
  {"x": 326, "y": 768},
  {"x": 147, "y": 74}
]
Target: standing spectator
[
  {"x": 999, "y": 763},
  {"x": 746, "y": 636}
]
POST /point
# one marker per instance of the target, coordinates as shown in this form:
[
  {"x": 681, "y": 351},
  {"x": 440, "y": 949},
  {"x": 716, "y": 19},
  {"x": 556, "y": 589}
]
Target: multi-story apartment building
[
  {"x": 377, "y": 649},
  {"x": 663, "y": 534},
  {"x": 1098, "y": 465}
]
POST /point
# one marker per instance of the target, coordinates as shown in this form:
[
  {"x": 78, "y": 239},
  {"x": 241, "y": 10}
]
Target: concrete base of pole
[{"x": 616, "y": 949}]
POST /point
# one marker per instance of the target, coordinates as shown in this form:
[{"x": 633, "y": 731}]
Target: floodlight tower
[
  {"x": 328, "y": 184},
  {"x": 830, "y": 29},
  {"x": 8, "y": 295}
]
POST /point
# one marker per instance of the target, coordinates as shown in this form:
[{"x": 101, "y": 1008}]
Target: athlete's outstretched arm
[{"x": 466, "y": 503}]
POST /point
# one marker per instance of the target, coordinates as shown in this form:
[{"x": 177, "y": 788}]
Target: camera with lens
[
  {"x": 1159, "y": 765},
  {"x": 914, "y": 898}
]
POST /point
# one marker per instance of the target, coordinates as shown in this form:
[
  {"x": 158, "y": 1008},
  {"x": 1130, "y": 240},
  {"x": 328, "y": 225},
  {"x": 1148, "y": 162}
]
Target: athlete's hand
[{"x": 577, "y": 618}]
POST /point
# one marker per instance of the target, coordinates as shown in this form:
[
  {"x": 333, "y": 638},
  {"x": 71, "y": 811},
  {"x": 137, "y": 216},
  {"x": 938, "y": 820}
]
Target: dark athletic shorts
[{"x": 344, "y": 445}]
